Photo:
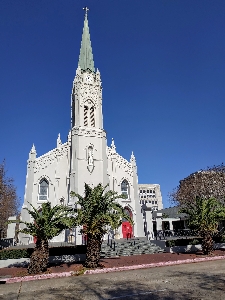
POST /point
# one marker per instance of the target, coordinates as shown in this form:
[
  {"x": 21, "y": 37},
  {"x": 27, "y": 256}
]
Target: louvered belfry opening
[
  {"x": 86, "y": 116},
  {"x": 92, "y": 116}
]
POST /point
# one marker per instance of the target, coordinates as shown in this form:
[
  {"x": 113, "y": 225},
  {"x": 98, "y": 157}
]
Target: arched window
[
  {"x": 90, "y": 156},
  {"x": 92, "y": 116},
  {"x": 43, "y": 189},
  {"x": 128, "y": 212},
  {"x": 86, "y": 116},
  {"x": 89, "y": 114},
  {"x": 125, "y": 188}
]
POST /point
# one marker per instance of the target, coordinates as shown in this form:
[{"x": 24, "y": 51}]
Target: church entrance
[{"x": 127, "y": 228}]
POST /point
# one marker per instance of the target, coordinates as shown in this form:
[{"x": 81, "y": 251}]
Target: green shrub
[
  {"x": 195, "y": 242},
  {"x": 222, "y": 240},
  {"x": 219, "y": 239},
  {"x": 14, "y": 254},
  {"x": 171, "y": 243},
  {"x": 183, "y": 242},
  {"x": 53, "y": 251}
]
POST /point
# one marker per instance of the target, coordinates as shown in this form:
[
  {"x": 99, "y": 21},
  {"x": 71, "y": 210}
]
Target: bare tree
[
  {"x": 204, "y": 184},
  {"x": 9, "y": 202}
]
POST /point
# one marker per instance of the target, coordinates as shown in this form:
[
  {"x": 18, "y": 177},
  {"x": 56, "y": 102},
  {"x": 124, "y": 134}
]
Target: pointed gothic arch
[
  {"x": 43, "y": 190},
  {"x": 125, "y": 188},
  {"x": 127, "y": 228},
  {"x": 89, "y": 113},
  {"x": 86, "y": 116}
]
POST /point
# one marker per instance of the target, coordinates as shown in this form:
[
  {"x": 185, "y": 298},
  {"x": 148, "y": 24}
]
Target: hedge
[
  {"x": 195, "y": 241},
  {"x": 53, "y": 251},
  {"x": 183, "y": 242},
  {"x": 14, "y": 253}
]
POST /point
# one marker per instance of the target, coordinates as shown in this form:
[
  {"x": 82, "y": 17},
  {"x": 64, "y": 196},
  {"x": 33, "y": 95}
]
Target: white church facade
[{"x": 85, "y": 157}]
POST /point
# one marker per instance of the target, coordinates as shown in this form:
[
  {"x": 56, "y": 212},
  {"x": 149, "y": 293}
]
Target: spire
[{"x": 86, "y": 57}]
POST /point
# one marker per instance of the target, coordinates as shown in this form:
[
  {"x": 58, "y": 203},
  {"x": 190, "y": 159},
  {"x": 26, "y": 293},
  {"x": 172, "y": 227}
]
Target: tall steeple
[{"x": 86, "y": 57}]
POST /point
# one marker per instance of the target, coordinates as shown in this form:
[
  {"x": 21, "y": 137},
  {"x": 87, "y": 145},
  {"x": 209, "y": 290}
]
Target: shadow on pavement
[{"x": 178, "y": 285}]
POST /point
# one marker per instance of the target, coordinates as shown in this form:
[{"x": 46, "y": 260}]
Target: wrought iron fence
[
  {"x": 163, "y": 234},
  {"x": 5, "y": 243}
]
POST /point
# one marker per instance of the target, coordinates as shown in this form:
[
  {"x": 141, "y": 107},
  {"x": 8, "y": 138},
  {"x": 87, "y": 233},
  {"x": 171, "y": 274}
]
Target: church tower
[{"x": 88, "y": 138}]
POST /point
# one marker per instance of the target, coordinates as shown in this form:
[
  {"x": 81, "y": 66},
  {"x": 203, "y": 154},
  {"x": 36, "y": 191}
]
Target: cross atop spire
[
  {"x": 86, "y": 57},
  {"x": 86, "y": 10}
]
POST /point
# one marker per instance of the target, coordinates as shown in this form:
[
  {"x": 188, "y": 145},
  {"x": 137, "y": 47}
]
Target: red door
[{"x": 127, "y": 230}]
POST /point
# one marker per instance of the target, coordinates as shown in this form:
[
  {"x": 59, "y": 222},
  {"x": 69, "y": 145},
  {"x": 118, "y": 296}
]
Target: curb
[
  {"x": 107, "y": 270},
  {"x": 37, "y": 277},
  {"x": 153, "y": 265}
]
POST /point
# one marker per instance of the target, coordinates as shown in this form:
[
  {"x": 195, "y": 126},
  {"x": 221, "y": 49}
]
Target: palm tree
[
  {"x": 204, "y": 216},
  {"x": 47, "y": 223},
  {"x": 98, "y": 211}
]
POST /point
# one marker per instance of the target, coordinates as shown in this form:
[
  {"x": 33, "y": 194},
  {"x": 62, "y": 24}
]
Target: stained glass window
[
  {"x": 125, "y": 188},
  {"x": 43, "y": 190}
]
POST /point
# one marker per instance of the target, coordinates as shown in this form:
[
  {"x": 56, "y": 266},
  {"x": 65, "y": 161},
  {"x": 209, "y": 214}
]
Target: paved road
[{"x": 189, "y": 281}]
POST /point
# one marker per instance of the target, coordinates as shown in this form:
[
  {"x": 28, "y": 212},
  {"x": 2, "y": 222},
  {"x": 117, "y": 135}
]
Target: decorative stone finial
[
  {"x": 133, "y": 159},
  {"x": 69, "y": 137},
  {"x": 98, "y": 77},
  {"x": 59, "y": 143},
  {"x": 113, "y": 145},
  {"x": 78, "y": 70},
  {"x": 33, "y": 150},
  {"x": 32, "y": 154}
]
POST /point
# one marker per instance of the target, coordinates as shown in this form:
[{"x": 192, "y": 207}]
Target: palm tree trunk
[
  {"x": 93, "y": 251},
  {"x": 39, "y": 258},
  {"x": 207, "y": 243}
]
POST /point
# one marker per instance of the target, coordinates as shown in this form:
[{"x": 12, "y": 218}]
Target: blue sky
[{"x": 162, "y": 65}]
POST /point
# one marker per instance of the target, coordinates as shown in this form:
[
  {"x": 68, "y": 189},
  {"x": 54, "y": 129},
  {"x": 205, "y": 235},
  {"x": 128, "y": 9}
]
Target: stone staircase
[{"x": 123, "y": 247}]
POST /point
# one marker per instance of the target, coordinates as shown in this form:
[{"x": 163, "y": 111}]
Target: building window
[
  {"x": 140, "y": 191},
  {"x": 90, "y": 156},
  {"x": 144, "y": 191},
  {"x": 125, "y": 188},
  {"x": 147, "y": 191},
  {"x": 43, "y": 189},
  {"x": 86, "y": 116},
  {"x": 153, "y": 192},
  {"x": 155, "y": 202},
  {"x": 144, "y": 196},
  {"x": 152, "y": 202},
  {"x": 92, "y": 116}
]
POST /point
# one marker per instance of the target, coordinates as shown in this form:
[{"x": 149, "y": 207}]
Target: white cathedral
[{"x": 85, "y": 157}]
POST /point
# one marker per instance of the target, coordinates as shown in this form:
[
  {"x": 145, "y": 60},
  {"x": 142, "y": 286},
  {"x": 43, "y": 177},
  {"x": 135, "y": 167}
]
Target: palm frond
[{"x": 99, "y": 209}]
